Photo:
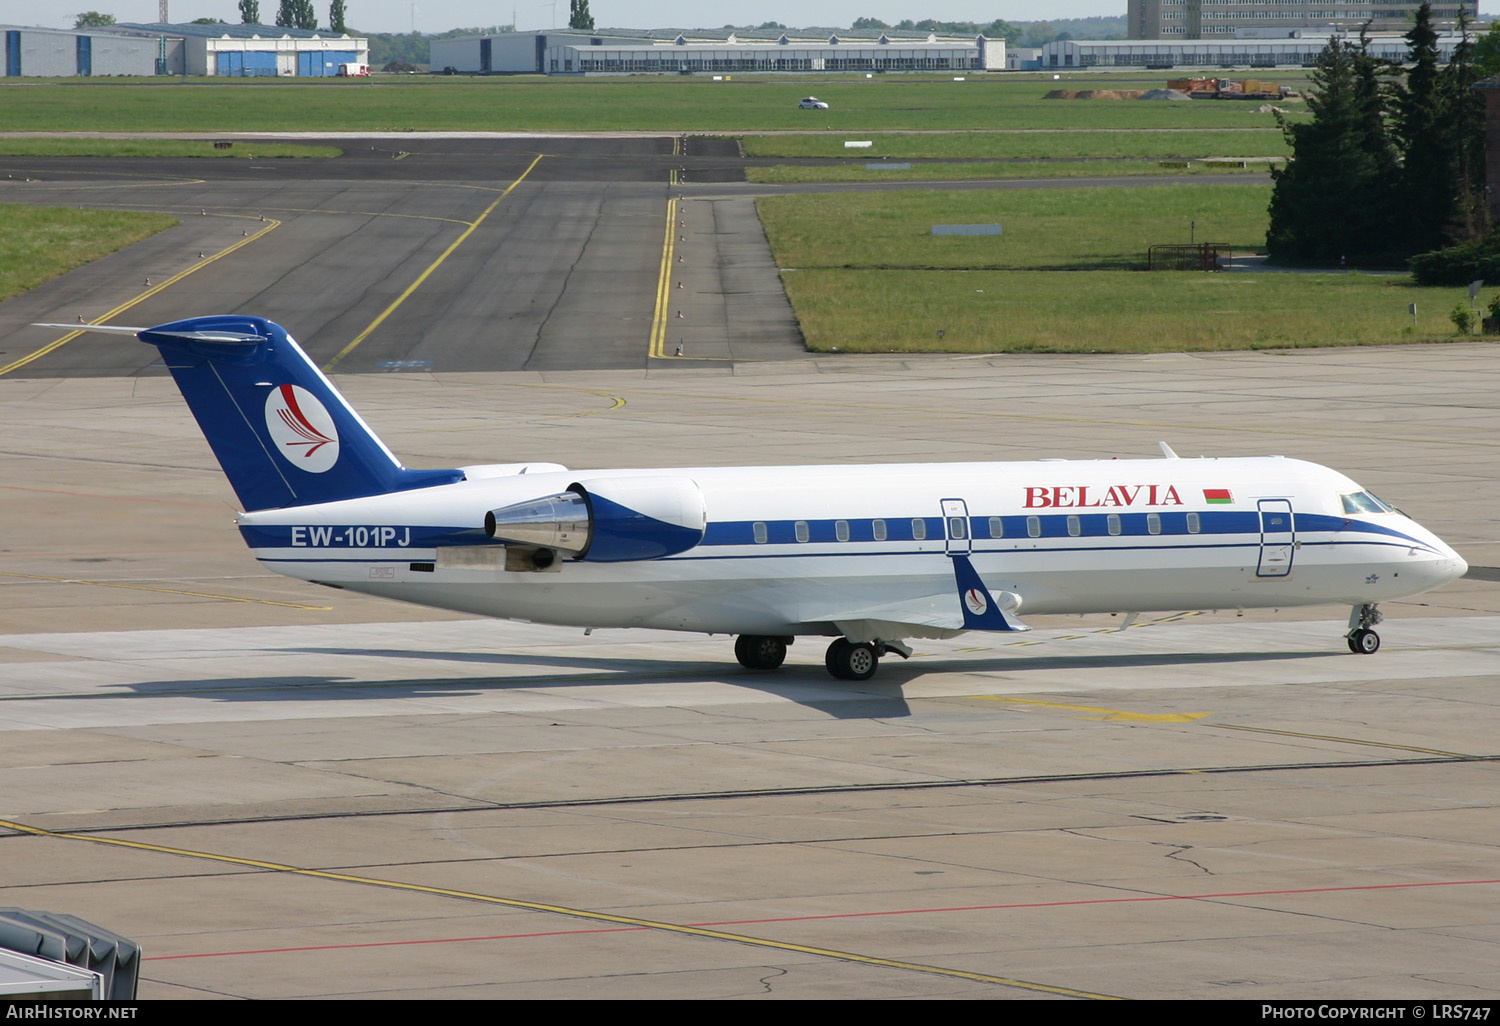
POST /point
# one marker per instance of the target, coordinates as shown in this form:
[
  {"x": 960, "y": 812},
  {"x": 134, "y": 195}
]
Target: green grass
[
  {"x": 1264, "y": 140},
  {"x": 1095, "y": 228},
  {"x": 48, "y": 147},
  {"x": 1108, "y": 311},
  {"x": 674, "y": 104},
  {"x": 967, "y": 170},
  {"x": 40, "y": 243},
  {"x": 864, "y": 274}
]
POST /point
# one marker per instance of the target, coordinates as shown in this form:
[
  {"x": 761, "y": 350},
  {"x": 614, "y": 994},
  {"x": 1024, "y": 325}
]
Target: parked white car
[{"x": 812, "y": 103}]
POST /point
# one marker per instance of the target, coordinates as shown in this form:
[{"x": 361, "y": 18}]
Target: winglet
[
  {"x": 1166, "y": 450},
  {"x": 981, "y": 611}
]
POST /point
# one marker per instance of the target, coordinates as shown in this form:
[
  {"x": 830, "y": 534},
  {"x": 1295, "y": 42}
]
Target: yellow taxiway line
[
  {"x": 563, "y": 910},
  {"x": 431, "y": 268},
  {"x": 271, "y": 225}
]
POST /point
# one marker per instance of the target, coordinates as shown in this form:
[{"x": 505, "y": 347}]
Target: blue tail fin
[{"x": 281, "y": 431}]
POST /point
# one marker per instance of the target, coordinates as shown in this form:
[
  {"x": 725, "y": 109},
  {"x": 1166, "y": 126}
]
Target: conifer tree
[{"x": 1335, "y": 200}]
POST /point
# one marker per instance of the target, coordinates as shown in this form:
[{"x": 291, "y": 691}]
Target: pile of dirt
[
  {"x": 1093, "y": 94},
  {"x": 1164, "y": 94}
]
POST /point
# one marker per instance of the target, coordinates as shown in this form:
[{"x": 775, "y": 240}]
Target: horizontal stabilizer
[
  {"x": 281, "y": 431},
  {"x": 104, "y": 329}
]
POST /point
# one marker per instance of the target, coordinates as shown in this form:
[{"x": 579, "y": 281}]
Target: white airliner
[{"x": 871, "y": 556}]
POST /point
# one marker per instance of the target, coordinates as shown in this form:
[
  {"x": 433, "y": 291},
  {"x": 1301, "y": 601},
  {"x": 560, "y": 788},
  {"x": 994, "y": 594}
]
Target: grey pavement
[{"x": 288, "y": 791}]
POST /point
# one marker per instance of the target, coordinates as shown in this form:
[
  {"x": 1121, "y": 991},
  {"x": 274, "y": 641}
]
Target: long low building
[
  {"x": 585, "y": 53},
  {"x": 167, "y": 49},
  {"x": 1295, "y": 51},
  {"x": 57, "y": 53}
]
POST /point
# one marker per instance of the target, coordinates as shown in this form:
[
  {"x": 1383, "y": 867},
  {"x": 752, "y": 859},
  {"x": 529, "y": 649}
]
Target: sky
[{"x": 441, "y": 15}]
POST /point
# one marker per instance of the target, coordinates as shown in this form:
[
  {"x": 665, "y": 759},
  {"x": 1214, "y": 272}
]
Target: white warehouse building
[
  {"x": 254, "y": 50},
  {"x": 1288, "y": 49},
  {"x": 582, "y": 53}
]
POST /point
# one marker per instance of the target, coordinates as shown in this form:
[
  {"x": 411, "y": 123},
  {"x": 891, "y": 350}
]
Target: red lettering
[{"x": 1042, "y": 496}]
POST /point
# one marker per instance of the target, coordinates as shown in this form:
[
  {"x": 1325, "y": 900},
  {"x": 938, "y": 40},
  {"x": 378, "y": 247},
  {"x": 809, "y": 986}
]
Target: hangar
[
  {"x": 582, "y": 53},
  {"x": 259, "y": 50},
  {"x": 58, "y": 53},
  {"x": 167, "y": 49},
  {"x": 1297, "y": 49}
]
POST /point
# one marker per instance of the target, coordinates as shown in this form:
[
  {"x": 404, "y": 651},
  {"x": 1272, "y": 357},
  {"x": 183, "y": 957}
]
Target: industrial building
[
  {"x": 167, "y": 49},
  {"x": 582, "y": 53},
  {"x": 55, "y": 53},
  {"x": 1221, "y": 19},
  {"x": 1300, "y": 50}
]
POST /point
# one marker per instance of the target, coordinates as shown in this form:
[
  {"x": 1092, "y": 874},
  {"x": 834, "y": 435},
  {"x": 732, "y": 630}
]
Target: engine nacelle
[{"x": 608, "y": 520}]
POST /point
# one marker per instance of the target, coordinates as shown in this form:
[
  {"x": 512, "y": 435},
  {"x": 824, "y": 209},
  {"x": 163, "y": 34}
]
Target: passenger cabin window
[
  {"x": 1074, "y": 527},
  {"x": 997, "y": 527},
  {"x": 1114, "y": 523},
  {"x": 760, "y": 532},
  {"x": 879, "y": 528},
  {"x": 1363, "y": 502},
  {"x": 1195, "y": 524},
  {"x": 802, "y": 532},
  {"x": 1153, "y": 523},
  {"x": 918, "y": 530},
  {"x": 841, "y": 530},
  {"x": 957, "y": 527},
  {"x": 1034, "y": 526}
]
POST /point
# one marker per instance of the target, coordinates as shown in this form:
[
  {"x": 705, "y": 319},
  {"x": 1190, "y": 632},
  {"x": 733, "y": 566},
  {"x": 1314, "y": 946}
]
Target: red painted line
[{"x": 1221, "y": 896}]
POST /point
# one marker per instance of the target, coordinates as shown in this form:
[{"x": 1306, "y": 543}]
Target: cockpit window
[{"x": 1363, "y": 502}]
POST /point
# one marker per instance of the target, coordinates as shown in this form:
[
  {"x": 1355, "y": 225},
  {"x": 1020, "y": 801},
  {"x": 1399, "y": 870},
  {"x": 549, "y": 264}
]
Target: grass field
[
  {"x": 954, "y": 171},
  {"x": 40, "y": 243},
  {"x": 34, "y": 146},
  {"x": 1065, "y": 276},
  {"x": 1264, "y": 139},
  {"x": 1070, "y": 229},
  {"x": 646, "y": 103}
]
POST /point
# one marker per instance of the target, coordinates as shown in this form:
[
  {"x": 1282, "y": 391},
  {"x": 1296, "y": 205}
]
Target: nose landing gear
[{"x": 1362, "y": 640}]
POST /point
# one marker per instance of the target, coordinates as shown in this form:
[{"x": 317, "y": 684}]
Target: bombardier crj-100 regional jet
[{"x": 871, "y": 556}]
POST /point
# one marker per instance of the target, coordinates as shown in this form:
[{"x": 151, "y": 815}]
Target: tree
[
  {"x": 1338, "y": 197},
  {"x": 336, "y": 15},
  {"x": 1440, "y": 127},
  {"x": 1429, "y": 169},
  {"x": 249, "y": 12},
  {"x": 1486, "y": 54},
  {"x": 297, "y": 14},
  {"x": 93, "y": 19},
  {"x": 208, "y": 21},
  {"x": 868, "y": 23},
  {"x": 579, "y": 17}
]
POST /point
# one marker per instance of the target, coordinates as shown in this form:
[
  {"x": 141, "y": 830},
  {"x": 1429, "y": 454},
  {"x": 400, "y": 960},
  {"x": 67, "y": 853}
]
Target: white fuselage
[{"x": 795, "y": 550}]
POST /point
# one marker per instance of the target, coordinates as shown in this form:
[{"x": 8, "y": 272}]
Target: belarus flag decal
[{"x": 1217, "y": 495}]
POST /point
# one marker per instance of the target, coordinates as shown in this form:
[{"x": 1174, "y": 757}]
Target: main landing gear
[
  {"x": 846, "y": 660},
  {"x": 858, "y": 660},
  {"x": 1362, "y": 640},
  {"x": 760, "y": 652}
]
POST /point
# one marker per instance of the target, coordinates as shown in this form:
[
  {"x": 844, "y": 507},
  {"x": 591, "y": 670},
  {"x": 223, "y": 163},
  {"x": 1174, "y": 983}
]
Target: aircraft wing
[
  {"x": 927, "y": 616},
  {"x": 969, "y": 605}
]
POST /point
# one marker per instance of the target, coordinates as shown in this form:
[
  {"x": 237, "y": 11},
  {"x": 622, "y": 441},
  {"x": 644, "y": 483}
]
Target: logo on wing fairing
[{"x": 302, "y": 429}]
